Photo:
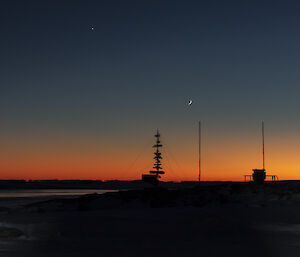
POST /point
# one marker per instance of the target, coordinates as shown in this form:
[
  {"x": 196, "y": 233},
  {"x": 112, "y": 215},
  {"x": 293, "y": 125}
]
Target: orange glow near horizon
[{"x": 226, "y": 160}]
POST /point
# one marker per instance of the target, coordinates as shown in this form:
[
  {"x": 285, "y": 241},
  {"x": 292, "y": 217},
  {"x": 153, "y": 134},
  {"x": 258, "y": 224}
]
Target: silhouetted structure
[
  {"x": 154, "y": 175},
  {"x": 199, "y": 151},
  {"x": 259, "y": 175}
]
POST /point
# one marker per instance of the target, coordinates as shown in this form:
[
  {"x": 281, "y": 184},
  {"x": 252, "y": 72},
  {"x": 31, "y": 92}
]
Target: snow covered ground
[{"x": 223, "y": 219}]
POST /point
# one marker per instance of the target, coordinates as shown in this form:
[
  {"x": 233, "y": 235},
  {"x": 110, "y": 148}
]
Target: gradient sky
[{"x": 84, "y": 85}]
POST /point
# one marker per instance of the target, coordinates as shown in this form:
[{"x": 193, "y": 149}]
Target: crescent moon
[{"x": 190, "y": 102}]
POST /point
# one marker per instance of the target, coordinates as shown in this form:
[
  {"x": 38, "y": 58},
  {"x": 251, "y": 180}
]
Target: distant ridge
[{"x": 109, "y": 184}]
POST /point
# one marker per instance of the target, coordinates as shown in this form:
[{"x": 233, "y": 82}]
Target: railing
[{"x": 273, "y": 177}]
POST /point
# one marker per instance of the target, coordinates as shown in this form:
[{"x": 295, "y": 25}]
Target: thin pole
[
  {"x": 199, "y": 131},
  {"x": 263, "y": 141}
]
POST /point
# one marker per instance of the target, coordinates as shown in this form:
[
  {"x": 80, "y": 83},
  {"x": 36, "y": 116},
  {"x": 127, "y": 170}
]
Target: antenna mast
[
  {"x": 199, "y": 132},
  {"x": 154, "y": 175},
  {"x": 157, "y": 155},
  {"x": 263, "y": 142}
]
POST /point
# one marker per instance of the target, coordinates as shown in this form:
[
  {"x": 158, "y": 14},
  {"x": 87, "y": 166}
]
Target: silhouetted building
[{"x": 259, "y": 175}]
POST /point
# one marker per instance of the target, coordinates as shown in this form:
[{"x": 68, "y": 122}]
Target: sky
[{"x": 85, "y": 84}]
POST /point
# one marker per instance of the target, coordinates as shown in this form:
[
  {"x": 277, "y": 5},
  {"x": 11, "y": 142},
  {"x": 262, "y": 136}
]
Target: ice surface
[{"x": 225, "y": 219}]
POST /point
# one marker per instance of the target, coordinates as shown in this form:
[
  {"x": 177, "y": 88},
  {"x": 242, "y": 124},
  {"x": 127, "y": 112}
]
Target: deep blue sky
[{"x": 238, "y": 60}]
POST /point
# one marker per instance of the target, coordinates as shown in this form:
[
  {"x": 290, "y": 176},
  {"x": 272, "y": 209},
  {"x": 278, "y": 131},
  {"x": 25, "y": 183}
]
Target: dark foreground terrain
[{"x": 215, "y": 219}]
